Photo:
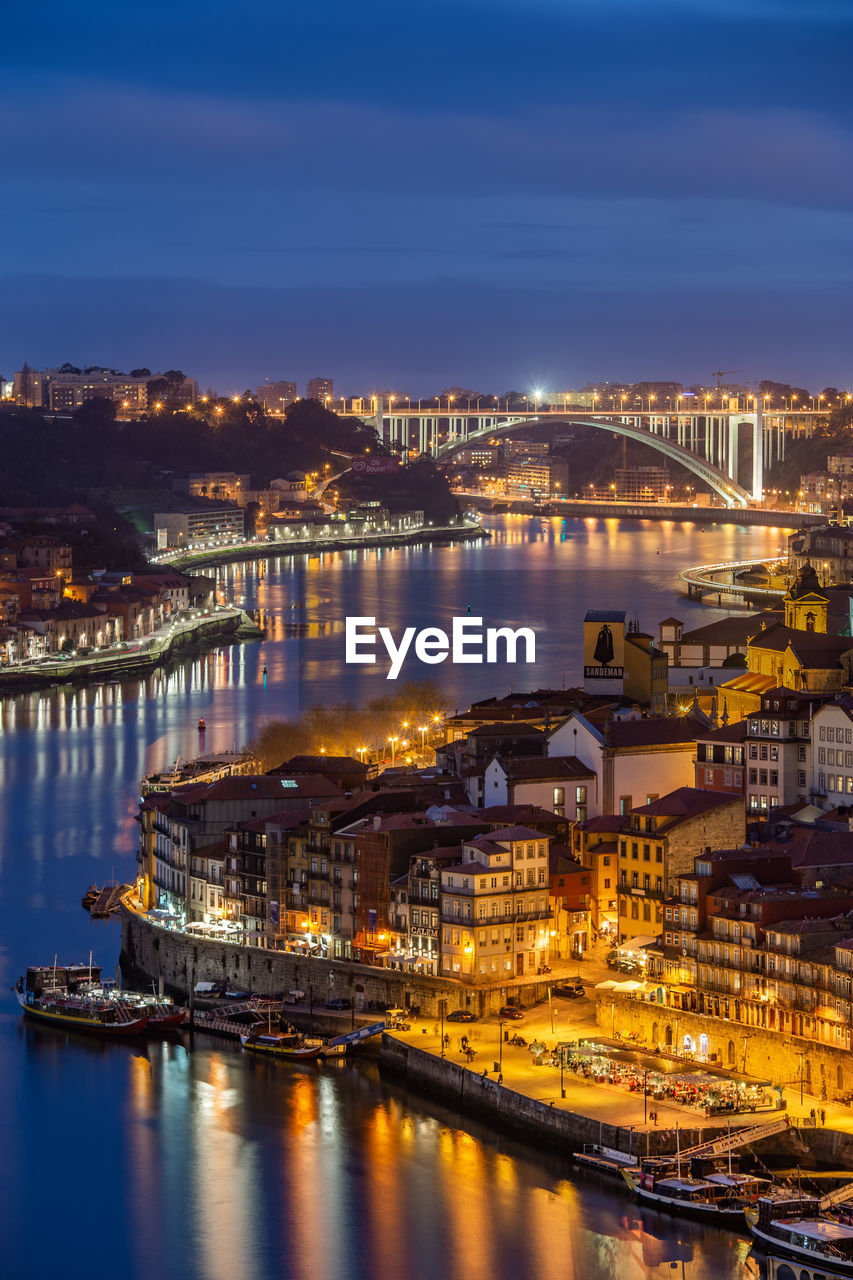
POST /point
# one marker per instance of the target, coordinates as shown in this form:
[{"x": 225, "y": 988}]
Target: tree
[
  {"x": 140, "y": 373},
  {"x": 167, "y": 390},
  {"x": 96, "y": 411},
  {"x": 25, "y": 384}
]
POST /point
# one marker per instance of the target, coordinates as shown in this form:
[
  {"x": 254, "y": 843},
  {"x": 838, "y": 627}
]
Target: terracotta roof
[
  {"x": 511, "y": 728},
  {"x": 725, "y": 733},
  {"x": 654, "y": 731},
  {"x": 686, "y": 802},
  {"x": 517, "y": 833},
  {"x": 733, "y": 630},
  {"x": 607, "y": 822},
  {"x": 247, "y": 786},
  {"x": 468, "y": 868},
  {"x": 310, "y": 764},
  {"x": 533, "y": 768}
]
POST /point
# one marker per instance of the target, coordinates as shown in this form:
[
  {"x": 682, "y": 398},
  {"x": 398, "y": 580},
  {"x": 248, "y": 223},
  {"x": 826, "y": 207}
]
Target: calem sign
[{"x": 375, "y": 466}]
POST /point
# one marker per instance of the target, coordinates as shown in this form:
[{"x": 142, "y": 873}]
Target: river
[{"x": 127, "y": 1161}]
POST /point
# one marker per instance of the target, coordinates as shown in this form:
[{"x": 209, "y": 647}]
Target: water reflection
[{"x": 204, "y": 1165}]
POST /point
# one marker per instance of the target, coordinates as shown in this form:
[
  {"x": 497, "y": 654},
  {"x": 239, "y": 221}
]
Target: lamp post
[
  {"x": 441, "y": 1005},
  {"x": 645, "y": 1097}
]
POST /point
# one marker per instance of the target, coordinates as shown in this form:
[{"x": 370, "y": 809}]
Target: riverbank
[
  {"x": 310, "y": 546},
  {"x": 500, "y": 1082},
  {"x": 224, "y": 625},
  {"x": 653, "y": 511}
]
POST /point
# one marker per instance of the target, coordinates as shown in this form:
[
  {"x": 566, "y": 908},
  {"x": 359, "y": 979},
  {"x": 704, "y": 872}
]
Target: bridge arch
[{"x": 732, "y": 493}]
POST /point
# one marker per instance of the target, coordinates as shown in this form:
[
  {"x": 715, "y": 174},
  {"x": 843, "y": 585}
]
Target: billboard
[
  {"x": 603, "y": 647},
  {"x": 375, "y": 466}
]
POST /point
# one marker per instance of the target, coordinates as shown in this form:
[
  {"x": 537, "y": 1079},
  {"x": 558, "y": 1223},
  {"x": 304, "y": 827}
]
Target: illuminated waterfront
[{"x": 226, "y": 1167}]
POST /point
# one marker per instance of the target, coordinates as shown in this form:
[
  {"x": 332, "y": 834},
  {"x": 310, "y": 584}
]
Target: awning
[
  {"x": 635, "y": 943},
  {"x": 606, "y": 986}
]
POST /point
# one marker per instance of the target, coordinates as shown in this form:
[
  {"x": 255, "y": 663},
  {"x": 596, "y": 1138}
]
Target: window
[
  {"x": 559, "y": 800},
  {"x": 625, "y": 805},
  {"x": 709, "y": 775}
]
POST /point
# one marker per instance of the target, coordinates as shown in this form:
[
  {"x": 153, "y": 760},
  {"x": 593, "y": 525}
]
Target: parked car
[
  {"x": 340, "y": 1002},
  {"x": 461, "y": 1015},
  {"x": 573, "y": 991},
  {"x": 511, "y": 1011}
]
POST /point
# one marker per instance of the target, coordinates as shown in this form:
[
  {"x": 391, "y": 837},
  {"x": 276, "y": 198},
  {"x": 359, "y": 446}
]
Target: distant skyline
[{"x": 501, "y": 194}]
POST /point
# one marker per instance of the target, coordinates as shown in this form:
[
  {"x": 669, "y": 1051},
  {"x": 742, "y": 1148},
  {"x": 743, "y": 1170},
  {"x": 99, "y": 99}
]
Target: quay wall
[
  {"x": 151, "y": 952},
  {"x": 476, "y": 1095},
  {"x": 651, "y": 511},
  {"x": 273, "y": 549}
]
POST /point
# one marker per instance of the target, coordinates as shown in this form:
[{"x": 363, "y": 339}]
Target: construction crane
[{"x": 721, "y": 373}]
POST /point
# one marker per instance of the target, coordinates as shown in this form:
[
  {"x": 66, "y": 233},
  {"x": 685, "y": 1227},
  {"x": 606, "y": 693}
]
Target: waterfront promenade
[
  {"x": 256, "y": 549},
  {"x": 610, "y": 1104},
  {"x": 135, "y": 657}
]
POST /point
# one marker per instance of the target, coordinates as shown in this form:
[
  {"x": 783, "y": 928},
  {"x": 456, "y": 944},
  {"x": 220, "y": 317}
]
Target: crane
[{"x": 720, "y": 373}]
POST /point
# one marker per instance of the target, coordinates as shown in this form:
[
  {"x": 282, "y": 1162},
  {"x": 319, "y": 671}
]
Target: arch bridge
[
  {"x": 732, "y": 493},
  {"x": 703, "y": 440}
]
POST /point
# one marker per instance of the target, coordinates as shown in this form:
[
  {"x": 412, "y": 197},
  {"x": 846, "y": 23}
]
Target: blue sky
[{"x": 418, "y": 194}]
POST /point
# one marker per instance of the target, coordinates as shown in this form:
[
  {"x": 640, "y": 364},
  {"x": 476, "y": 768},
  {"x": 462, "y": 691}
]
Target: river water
[{"x": 132, "y": 1161}]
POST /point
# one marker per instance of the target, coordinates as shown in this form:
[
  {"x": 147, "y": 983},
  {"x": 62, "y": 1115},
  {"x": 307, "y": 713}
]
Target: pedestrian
[
  {"x": 500, "y": 1077},
  {"x": 812, "y": 1116},
  {"x": 485, "y": 1073},
  {"x": 822, "y": 1116}
]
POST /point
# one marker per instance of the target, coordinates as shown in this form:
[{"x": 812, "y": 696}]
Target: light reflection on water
[
  {"x": 209, "y": 1166},
  {"x": 206, "y": 1165}
]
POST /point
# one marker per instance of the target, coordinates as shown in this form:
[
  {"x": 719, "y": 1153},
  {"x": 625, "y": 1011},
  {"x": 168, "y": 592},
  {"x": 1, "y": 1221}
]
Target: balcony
[{"x": 482, "y": 922}]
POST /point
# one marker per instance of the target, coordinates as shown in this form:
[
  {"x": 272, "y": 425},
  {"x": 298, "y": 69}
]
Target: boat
[
  {"x": 163, "y": 1013},
  {"x": 61, "y": 1005},
  {"x": 794, "y": 1226},
  {"x": 718, "y": 1197},
  {"x": 282, "y": 1044},
  {"x": 781, "y": 1269},
  {"x": 604, "y": 1159},
  {"x": 201, "y": 725}
]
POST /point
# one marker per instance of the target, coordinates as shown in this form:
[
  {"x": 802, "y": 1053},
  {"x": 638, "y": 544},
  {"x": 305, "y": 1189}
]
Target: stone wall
[
  {"x": 476, "y": 1095},
  {"x": 752, "y": 1051},
  {"x": 150, "y": 952}
]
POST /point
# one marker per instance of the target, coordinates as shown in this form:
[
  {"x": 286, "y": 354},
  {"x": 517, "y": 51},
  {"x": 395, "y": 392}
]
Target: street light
[{"x": 393, "y": 742}]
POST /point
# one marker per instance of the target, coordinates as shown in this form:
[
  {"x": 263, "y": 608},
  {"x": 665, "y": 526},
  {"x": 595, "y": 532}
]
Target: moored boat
[
  {"x": 163, "y": 1013},
  {"x": 282, "y": 1044},
  {"x": 718, "y": 1197},
  {"x": 795, "y": 1227},
  {"x": 60, "y": 1007}
]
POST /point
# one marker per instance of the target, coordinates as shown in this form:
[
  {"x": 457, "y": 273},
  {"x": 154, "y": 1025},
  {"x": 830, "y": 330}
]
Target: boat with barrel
[
  {"x": 163, "y": 1013},
  {"x": 291, "y": 1045},
  {"x": 801, "y": 1228},
  {"x": 46, "y": 995}
]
